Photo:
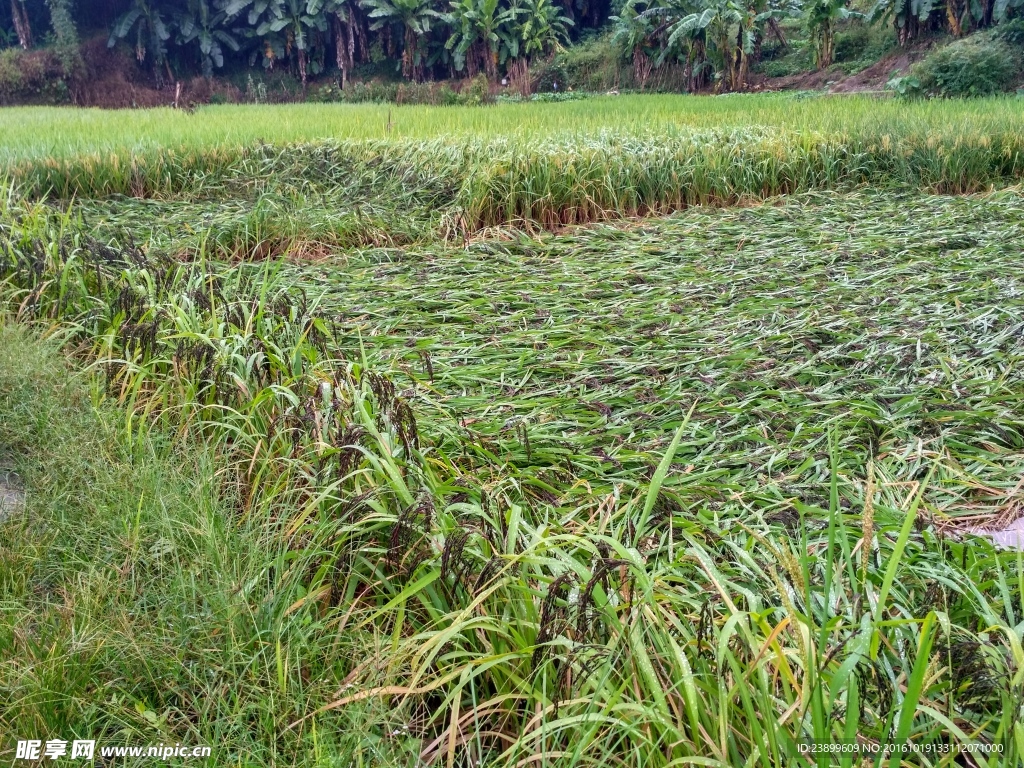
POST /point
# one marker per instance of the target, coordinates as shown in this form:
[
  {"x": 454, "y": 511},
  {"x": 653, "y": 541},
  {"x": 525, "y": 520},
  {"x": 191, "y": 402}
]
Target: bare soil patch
[{"x": 873, "y": 78}]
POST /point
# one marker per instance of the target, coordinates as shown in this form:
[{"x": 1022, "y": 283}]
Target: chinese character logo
[
  {"x": 82, "y": 749},
  {"x": 32, "y": 749},
  {"x": 28, "y": 750}
]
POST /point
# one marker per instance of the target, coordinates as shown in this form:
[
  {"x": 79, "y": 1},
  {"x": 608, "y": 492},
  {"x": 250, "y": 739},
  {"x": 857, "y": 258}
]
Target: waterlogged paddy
[{"x": 893, "y": 321}]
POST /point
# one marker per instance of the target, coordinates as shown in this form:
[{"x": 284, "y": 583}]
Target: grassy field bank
[
  {"x": 646, "y": 494},
  {"x": 135, "y": 609}
]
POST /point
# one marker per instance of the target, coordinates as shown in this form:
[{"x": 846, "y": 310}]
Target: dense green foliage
[{"x": 710, "y": 42}]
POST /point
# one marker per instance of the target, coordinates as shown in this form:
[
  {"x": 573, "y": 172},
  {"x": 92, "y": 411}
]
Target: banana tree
[
  {"x": 347, "y": 28},
  {"x": 474, "y": 39},
  {"x": 740, "y": 17},
  {"x": 706, "y": 36},
  {"x": 543, "y": 28},
  {"x": 634, "y": 36},
  {"x": 508, "y": 39},
  {"x": 716, "y": 34},
  {"x": 533, "y": 28},
  {"x": 201, "y": 24},
  {"x": 414, "y": 17},
  {"x": 152, "y": 30},
  {"x": 685, "y": 33},
  {"x": 980, "y": 13},
  {"x": 822, "y": 18},
  {"x": 301, "y": 30},
  {"x": 282, "y": 25},
  {"x": 908, "y": 16}
]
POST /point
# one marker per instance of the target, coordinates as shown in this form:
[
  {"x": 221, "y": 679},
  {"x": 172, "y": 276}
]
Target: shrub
[
  {"x": 594, "y": 65},
  {"x": 357, "y": 92},
  {"x": 476, "y": 91},
  {"x": 851, "y": 43},
  {"x": 31, "y": 77},
  {"x": 794, "y": 60},
  {"x": 782, "y": 68},
  {"x": 11, "y": 78},
  {"x": 861, "y": 44},
  {"x": 1011, "y": 32},
  {"x": 445, "y": 96},
  {"x": 559, "y": 96},
  {"x": 906, "y": 86},
  {"x": 970, "y": 67}
]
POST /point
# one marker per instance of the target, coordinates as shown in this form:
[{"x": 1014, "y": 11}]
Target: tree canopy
[{"x": 428, "y": 39}]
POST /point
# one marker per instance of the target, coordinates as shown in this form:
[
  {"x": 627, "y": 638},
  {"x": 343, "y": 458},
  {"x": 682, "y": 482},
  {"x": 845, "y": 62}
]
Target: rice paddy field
[
  {"x": 639, "y": 431},
  {"x": 37, "y": 133}
]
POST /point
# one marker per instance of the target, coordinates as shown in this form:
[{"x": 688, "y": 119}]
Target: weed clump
[{"x": 976, "y": 66}]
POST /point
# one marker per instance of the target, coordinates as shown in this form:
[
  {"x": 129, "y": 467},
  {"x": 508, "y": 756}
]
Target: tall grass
[
  {"x": 579, "y": 518},
  {"x": 135, "y": 606}
]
